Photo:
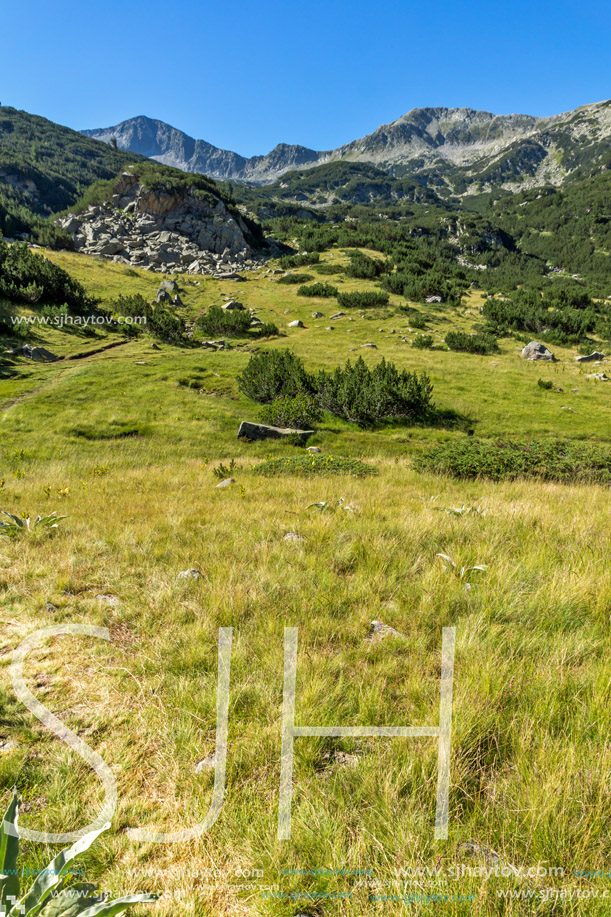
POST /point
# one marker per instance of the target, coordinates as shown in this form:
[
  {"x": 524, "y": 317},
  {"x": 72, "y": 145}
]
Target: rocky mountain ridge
[
  {"x": 465, "y": 150},
  {"x": 162, "y": 230}
]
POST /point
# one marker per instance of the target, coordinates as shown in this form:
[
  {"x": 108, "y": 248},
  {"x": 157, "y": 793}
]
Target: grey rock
[
  {"x": 205, "y": 764},
  {"x": 106, "y": 599},
  {"x": 293, "y": 537},
  {"x": 39, "y": 354},
  {"x": 256, "y": 431},
  {"x": 380, "y": 631},
  {"x": 317, "y": 315},
  {"x": 190, "y": 574},
  {"x": 431, "y": 299},
  {"x": 600, "y": 377},
  {"x": 50, "y": 607},
  {"x": 163, "y": 296},
  {"x": 232, "y": 306},
  {"x": 170, "y": 286},
  {"x": 374, "y": 346},
  {"x": 338, "y": 315},
  {"x": 314, "y": 450},
  {"x": 296, "y": 324},
  {"x": 536, "y": 351},
  {"x": 227, "y": 482},
  {"x": 590, "y": 358}
]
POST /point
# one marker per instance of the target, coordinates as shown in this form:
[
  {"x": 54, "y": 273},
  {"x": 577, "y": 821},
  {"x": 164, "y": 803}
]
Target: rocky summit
[{"x": 163, "y": 230}]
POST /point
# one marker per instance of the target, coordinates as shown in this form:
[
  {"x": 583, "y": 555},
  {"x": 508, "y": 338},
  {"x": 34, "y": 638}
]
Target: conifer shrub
[{"x": 365, "y": 299}]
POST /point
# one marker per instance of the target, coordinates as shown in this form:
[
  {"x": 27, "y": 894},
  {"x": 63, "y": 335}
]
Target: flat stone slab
[
  {"x": 590, "y": 358},
  {"x": 255, "y": 431}
]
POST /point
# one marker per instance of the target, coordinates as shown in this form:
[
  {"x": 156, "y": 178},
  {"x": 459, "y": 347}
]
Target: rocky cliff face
[
  {"x": 162, "y": 230},
  {"x": 468, "y": 149}
]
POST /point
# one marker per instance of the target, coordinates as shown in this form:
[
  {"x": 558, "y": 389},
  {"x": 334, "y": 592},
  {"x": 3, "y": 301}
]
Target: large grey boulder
[
  {"x": 296, "y": 324},
  {"x": 39, "y": 354},
  {"x": 163, "y": 296},
  {"x": 600, "y": 377},
  {"x": 170, "y": 286},
  {"x": 591, "y": 357},
  {"x": 256, "y": 431},
  {"x": 232, "y": 306},
  {"x": 536, "y": 351}
]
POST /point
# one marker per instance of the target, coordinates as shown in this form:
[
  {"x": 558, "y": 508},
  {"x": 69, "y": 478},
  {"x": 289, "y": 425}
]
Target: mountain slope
[
  {"x": 460, "y": 150},
  {"x": 45, "y": 167}
]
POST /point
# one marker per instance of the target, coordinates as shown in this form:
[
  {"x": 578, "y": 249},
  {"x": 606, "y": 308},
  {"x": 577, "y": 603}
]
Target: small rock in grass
[
  {"x": 591, "y": 357},
  {"x": 9, "y": 745},
  {"x": 314, "y": 449},
  {"x": 478, "y": 850},
  {"x": 106, "y": 599},
  {"x": 374, "y": 346},
  {"x": 190, "y": 574},
  {"x": 317, "y": 315},
  {"x": 226, "y": 483},
  {"x": 565, "y": 407},
  {"x": 293, "y": 537},
  {"x": 600, "y": 377},
  {"x": 50, "y": 607},
  {"x": 379, "y": 631},
  {"x": 205, "y": 764},
  {"x": 297, "y": 323}
]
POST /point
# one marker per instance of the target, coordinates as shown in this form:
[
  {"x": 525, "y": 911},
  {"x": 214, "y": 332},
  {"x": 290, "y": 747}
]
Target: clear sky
[{"x": 248, "y": 75}]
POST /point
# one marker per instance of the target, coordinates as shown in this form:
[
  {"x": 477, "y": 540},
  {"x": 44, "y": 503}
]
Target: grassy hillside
[{"x": 125, "y": 442}]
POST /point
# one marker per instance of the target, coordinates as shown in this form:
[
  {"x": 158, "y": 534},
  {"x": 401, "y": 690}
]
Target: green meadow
[{"x": 124, "y": 441}]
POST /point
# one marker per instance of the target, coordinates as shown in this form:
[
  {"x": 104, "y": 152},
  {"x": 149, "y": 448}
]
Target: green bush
[
  {"x": 274, "y": 374},
  {"x": 326, "y": 268},
  {"x": 266, "y": 330},
  {"x": 27, "y": 277},
  {"x": 301, "y": 411},
  {"x": 154, "y": 319},
  {"x": 362, "y": 299},
  {"x": 295, "y": 278},
  {"x": 231, "y": 323},
  {"x": 417, "y": 321},
  {"x": 423, "y": 341},
  {"x": 480, "y": 343},
  {"x": 547, "y": 460},
  {"x": 365, "y": 268},
  {"x": 368, "y": 396},
  {"x": 314, "y": 466},
  {"x": 317, "y": 289},
  {"x": 355, "y": 392},
  {"x": 289, "y": 261},
  {"x": 546, "y": 384}
]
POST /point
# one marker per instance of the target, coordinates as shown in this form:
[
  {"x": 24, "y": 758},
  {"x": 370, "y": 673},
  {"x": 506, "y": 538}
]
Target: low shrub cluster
[
  {"x": 355, "y": 392},
  {"x": 423, "y": 341},
  {"x": 318, "y": 289},
  {"x": 314, "y": 466},
  {"x": 326, "y": 268},
  {"x": 366, "y": 299},
  {"x": 562, "y": 317},
  {"x": 28, "y": 277},
  {"x": 274, "y": 374},
  {"x": 546, "y": 460},
  {"x": 155, "y": 318},
  {"x": 471, "y": 343},
  {"x": 293, "y": 279},
  {"x": 365, "y": 268},
  {"x": 289, "y": 261},
  {"x": 232, "y": 323},
  {"x": 301, "y": 411}
]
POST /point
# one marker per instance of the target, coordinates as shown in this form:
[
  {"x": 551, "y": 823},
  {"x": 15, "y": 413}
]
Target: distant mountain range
[{"x": 457, "y": 150}]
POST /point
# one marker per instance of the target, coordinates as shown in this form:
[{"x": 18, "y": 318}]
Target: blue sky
[{"x": 248, "y": 75}]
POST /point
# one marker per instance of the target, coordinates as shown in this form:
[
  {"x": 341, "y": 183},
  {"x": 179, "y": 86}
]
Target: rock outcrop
[{"x": 163, "y": 230}]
